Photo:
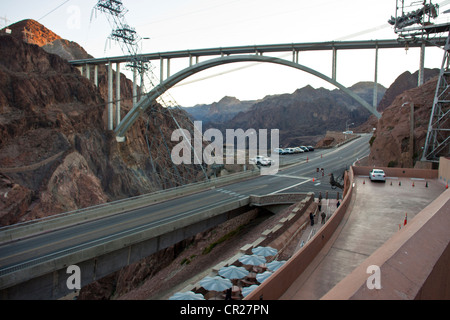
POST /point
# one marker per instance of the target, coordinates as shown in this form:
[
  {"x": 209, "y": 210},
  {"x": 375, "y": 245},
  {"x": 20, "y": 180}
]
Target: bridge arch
[{"x": 145, "y": 102}]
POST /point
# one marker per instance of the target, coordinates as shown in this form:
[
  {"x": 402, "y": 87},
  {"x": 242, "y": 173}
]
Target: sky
[{"x": 172, "y": 25}]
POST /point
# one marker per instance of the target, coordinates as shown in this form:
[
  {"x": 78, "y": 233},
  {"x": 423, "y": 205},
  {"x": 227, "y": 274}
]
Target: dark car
[{"x": 311, "y": 148}]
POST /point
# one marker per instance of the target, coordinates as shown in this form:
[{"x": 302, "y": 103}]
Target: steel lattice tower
[{"x": 418, "y": 24}]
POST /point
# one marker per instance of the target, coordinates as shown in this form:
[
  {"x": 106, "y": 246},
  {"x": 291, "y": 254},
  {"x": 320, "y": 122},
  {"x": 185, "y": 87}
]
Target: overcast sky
[{"x": 193, "y": 24}]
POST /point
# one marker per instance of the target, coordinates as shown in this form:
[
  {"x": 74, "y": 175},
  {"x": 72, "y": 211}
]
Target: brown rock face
[
  {"x": 404, "y": 82},
  {"x": 391, "y": 144},
  {"x": 31, "y": 31},
  {"x": 55, "y": 153}
]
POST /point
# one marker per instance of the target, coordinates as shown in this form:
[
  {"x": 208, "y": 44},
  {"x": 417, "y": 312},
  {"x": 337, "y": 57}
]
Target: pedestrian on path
[
  {"x": 311, "y": 217},
  {"x": 323, "y": 217},
  {"x": 319, "y": 206}
]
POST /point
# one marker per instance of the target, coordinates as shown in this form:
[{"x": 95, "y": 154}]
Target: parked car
[
  {"x": 289, "y": 150},
  {"x": 377, "y": 175},
  {"x": 262, "y": 161},
  {"x": 310, "y": 148},
  {"x": 279, "y": 151},
  {"x": 304, "y": 148},
  {"x": 298, "y": 150}
]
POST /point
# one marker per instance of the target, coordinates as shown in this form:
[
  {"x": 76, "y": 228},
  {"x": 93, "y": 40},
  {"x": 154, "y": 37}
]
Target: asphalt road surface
[{"x": 299, "y": 177}]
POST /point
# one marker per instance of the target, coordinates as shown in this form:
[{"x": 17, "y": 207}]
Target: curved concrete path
[{"x": 375, "y": 213}]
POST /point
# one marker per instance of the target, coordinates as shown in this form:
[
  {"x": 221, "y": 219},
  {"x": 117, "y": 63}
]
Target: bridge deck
[{"x": 268, "y": 48}]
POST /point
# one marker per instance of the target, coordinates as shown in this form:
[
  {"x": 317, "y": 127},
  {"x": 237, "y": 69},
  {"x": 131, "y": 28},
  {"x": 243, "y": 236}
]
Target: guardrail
[{"x": 28, "y": 228}]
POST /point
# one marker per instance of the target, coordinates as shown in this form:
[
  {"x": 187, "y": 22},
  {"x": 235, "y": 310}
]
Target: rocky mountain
[
  {"x": 32, "y": 32},
  {"x": 392, "y": 144},
  {"x": 55, "y": 152},
  {"x": 304, "y": 116},
  {"x": 405, "y": 81},
  {"x": 219, "y": 112}
]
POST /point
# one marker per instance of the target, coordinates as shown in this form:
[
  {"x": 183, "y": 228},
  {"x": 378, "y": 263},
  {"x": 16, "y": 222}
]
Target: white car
[
  {"x": 289, "y": 150},
  {"x": 377, "y": 175},
  {"x": 262, "y": 161}
]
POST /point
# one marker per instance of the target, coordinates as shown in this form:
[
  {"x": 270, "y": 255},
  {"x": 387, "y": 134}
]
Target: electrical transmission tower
[
  {"x": 129, "y": 40},
  {"x": 413, "y": 21}
]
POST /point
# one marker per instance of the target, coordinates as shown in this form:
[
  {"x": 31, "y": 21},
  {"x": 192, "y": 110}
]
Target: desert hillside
[
  {"x": 55, "y": 154},
  {"x": 392, "y": 144}
]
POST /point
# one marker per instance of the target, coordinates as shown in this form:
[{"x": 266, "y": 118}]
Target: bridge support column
[
  {"x": 96, "y": 75},
  {"x": 161, "y": 70},
  {"x": 421, "y": 65},
  {"x": 295, "y": 56},
  {"x": 141, "y": 88},
  {"x": 88, "y": 71},
  {"x": 168, "y": 68},
  {"x": 117, "y": 94},
  {"x": 334, "y": 64},
  {"x": 110, "y": 97},
  {"x": 375, "y": 88},
  {"x": 134, "y": 87}
]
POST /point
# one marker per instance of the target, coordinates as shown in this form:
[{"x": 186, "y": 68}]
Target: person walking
[
  {"x": 319, "y": 206},
  {"x": 323, "y": 217},
  {"x": 311, "y": 217}
]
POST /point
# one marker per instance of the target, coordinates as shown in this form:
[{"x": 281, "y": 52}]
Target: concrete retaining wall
[
  {"x": 405, "y": 273},
  {"x": 399, "y": 172},
  {"x": 281, "y": 280},
  {"x": 297, "y": 213},
  {"x": 444, "y": 170},
  {"x": 282, "y": 198},
  {"x": 414, "y": 263}
]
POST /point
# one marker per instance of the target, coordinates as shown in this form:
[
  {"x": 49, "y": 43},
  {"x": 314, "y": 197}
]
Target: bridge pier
[
  {"x": 375, "y": 81},
  {"x": 109, "y": 103},
  {"x": 295, "y": 56},
  {"x": 334, "y": 64},
  {"x": 420, "y": 79},
  {"x": 135, "y": 87},
  {"x": 96, "y": 75},
  {"x": 117, "y": 94}
]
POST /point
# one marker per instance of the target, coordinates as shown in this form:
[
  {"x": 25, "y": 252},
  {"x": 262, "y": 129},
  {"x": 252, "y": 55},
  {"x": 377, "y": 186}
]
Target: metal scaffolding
[{"x": 414, "y": 20}]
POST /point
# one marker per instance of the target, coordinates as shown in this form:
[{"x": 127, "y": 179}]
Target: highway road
[{"x": 297, "y": 177}]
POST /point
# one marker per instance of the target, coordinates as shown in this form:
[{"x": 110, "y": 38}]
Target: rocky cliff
[
  {"x": 405, "y": 81},
  {"x": 55, "y": 154},
  {"x": 392, "y": 144}
]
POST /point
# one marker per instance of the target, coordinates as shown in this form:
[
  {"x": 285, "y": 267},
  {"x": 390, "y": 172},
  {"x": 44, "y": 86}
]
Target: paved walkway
[{"x": 375, "y": 214}]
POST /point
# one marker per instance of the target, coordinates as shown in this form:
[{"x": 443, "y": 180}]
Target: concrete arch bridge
[{"x": 227, "y": 56}]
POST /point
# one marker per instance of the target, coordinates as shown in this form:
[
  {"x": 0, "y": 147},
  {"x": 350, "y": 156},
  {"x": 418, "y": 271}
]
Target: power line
[{"x": 53, "y": 10}]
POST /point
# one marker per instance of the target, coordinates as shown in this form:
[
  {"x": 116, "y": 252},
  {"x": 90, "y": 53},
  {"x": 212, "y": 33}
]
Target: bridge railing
[{"x": 28, "y": 228}]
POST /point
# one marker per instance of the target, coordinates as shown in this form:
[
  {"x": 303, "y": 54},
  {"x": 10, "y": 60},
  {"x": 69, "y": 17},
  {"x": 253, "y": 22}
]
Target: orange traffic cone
[
  {"x": 446, "y": 187},
  {"x": 413, "y": 184},
  {"x": 364, "y": 181},
  {"x": 406, "y": 219},
  {"x": 314, "y": 179}
]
